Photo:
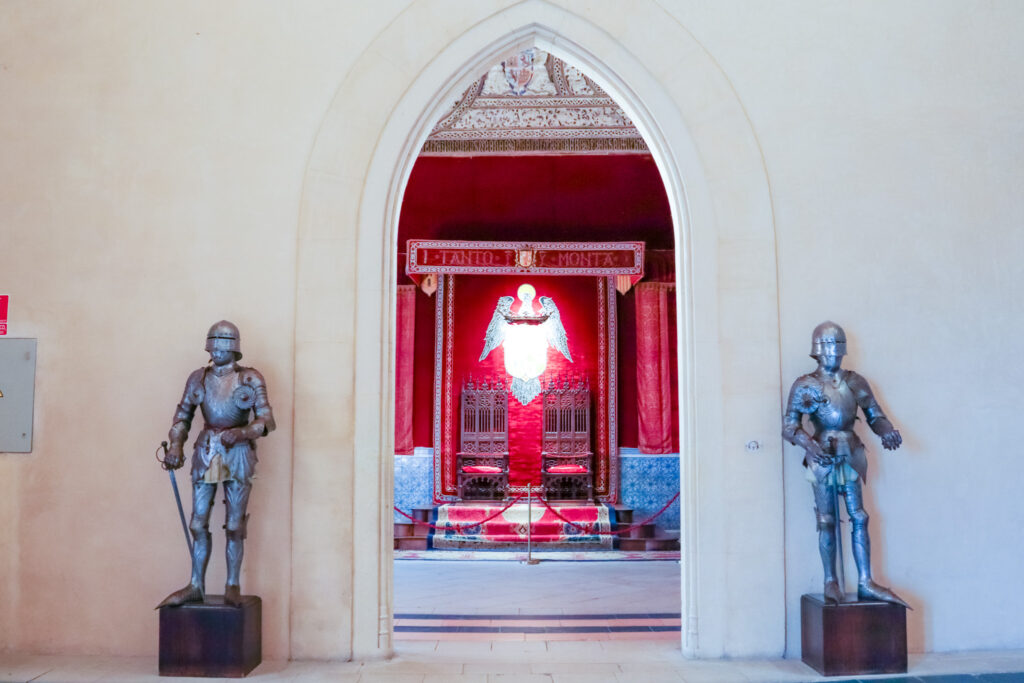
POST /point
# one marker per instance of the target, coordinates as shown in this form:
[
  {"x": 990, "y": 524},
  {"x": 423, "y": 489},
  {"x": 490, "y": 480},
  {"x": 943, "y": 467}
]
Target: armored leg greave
[
  {"x": 827, "y": 546},
  {"x": 236, "y": 498},
  {"x": 202, "y": 502},
  {"x": 859, "y": 534},
  {"x": 825, "y": 513}
]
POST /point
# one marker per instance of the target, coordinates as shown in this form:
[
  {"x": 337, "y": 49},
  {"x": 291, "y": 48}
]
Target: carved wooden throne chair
[
  {"x": 482, "y": 459},
  {"x": 566, "y": 469}
]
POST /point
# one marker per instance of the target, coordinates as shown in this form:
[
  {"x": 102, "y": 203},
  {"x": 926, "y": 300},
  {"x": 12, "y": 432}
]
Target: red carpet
[{"x": 461, "y": 526}]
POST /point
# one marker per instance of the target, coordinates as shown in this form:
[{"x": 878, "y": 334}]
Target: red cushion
[
  {"x": 566, "y": 469},
  {"x": 481, "y": 469}
]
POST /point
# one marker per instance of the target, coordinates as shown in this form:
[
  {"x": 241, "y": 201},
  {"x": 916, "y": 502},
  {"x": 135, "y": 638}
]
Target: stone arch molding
[{"x": 732, "y": 569}]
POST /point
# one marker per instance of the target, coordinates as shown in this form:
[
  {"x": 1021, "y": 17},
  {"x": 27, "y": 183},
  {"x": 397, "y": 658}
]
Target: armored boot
[
  {"x": 234, "y": 551},
  {"x": 827, "y": 548},
  {"x": 190, "y": 593},
  {"x": 195, "y": 591},
  {"x": 869, "y": 590},
  {"x": 236, "y": 498}
]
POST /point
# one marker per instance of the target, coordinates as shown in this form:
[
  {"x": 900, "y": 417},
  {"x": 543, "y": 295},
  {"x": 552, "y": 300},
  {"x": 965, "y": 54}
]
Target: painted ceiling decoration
[{"x": 533, "y": 102}]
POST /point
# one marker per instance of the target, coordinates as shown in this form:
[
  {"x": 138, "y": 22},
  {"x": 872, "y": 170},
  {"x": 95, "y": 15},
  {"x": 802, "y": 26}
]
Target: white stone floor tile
[
  {"x": 420, "y": 665},
  {"x": 388, "y": 677},
  {"x": 596, "y": 677},
  {"x": 518, "y": 678},
  {"x": 578, "y": 651},
  {"x": 545, "y": 588},
  {"x": 410, "y": 648},
  {"x": 644, "y": 651},
  {"x": 577, "y": 667},
  {"x": 462, "y": 651},
  {"x": 519, "y": 651},
  {"x": 647, "y": 677},
  {"x": 498, "y": 666}
]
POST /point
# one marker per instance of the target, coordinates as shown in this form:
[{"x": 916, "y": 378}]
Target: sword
[{"x": 177, "y": 496}]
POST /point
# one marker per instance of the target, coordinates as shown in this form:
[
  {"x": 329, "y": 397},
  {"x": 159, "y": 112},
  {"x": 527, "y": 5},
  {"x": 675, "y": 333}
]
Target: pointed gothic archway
[{"x": 711, "y": 166}]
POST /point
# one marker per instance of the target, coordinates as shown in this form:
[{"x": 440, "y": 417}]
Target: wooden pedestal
[
  {"x": 211, "y": 639},
  {"x": 853, "y": 637}
]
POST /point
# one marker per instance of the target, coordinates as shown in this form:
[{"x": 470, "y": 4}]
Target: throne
[
  {"x": 482, "y": 460},
  {"x": 566, "y": 457}
]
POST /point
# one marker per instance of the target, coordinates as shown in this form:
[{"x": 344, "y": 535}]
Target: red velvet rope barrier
[
  {"x": 456, "y": 527},
  {"x": 590, "y": 529},
  {"x": 587, "y": 529}
]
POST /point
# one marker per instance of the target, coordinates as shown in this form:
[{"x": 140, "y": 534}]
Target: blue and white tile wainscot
[
  {"x": 647, "y": 482},
  {"x": 414, "y": 481}
]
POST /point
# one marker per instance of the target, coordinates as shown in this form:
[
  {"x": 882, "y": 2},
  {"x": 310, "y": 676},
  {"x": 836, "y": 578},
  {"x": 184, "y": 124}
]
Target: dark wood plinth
[
  {"x": 853, "y": 637},
  {"x": 211, "y": 639}
]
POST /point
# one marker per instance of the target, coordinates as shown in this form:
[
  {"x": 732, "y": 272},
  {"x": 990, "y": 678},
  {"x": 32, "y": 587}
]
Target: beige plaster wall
[
  {"x": 153, "y": 159},
  {"x": 168, "y": 164},
  {"x": 893, "y": 137}
]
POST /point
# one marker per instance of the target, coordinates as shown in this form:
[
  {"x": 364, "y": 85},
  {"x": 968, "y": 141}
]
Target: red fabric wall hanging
[
  {"x": 405, "y": 337},
  {"x": 654, "y": 367}
]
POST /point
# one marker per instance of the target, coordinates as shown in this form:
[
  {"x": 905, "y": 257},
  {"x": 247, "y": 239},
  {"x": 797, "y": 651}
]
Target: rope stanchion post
[{"x": 529, "y": 525}]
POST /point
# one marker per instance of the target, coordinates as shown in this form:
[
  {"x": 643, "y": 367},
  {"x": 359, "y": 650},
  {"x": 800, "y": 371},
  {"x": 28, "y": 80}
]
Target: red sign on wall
[{"x": 3, "y": 313}]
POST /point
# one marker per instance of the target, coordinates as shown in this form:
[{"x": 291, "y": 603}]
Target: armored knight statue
[
  {"x": 224, "y": 453},
  {"x": 835, "y": 460}
]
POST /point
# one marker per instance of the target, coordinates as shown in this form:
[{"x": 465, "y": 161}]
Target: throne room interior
[{"x": 671, "y": 194}]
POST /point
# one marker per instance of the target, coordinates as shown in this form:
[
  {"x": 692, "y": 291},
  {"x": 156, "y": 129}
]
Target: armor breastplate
[
  {"x": 219, "y": 407},
  {"x": 839, "y": 412}
]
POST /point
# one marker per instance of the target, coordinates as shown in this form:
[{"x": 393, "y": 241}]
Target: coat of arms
[
  {"x": 525, "y": 336},
  {"x": 519, "y": 71}
]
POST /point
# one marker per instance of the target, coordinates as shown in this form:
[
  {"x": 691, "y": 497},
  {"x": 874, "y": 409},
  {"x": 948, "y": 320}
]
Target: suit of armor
[
  {"x": 835, "y": 460},
  {"x": 223, "y": 453}
]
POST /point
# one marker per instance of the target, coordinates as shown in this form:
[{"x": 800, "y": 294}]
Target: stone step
[
  {"x": 411, "y": 543},
  {"x": 659, "y": 542},
  {"x": 405, "y": 529},
  {"x": 623, "y": 515},
  {"x": 648, "y": 530},
  {"x": 421, "y": 514}
]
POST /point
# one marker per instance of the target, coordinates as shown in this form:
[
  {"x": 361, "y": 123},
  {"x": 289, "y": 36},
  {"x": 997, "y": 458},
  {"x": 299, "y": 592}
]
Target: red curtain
[
  {"x": 405, "y": 335},
  {"x": 654, "y": 366}
]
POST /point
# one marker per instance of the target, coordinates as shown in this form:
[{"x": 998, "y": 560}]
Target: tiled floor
[
  {"x": 527, "y": 662},
  {"x": 547, "y": 588},
  {"x": 575, "y": 594},
  {"x": 552, "y": 600},
  {"x": 630, "y": 626}
]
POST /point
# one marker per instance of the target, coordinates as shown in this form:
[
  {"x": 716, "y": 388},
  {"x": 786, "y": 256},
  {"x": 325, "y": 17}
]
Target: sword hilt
[{"x": 163, "y": 460}]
